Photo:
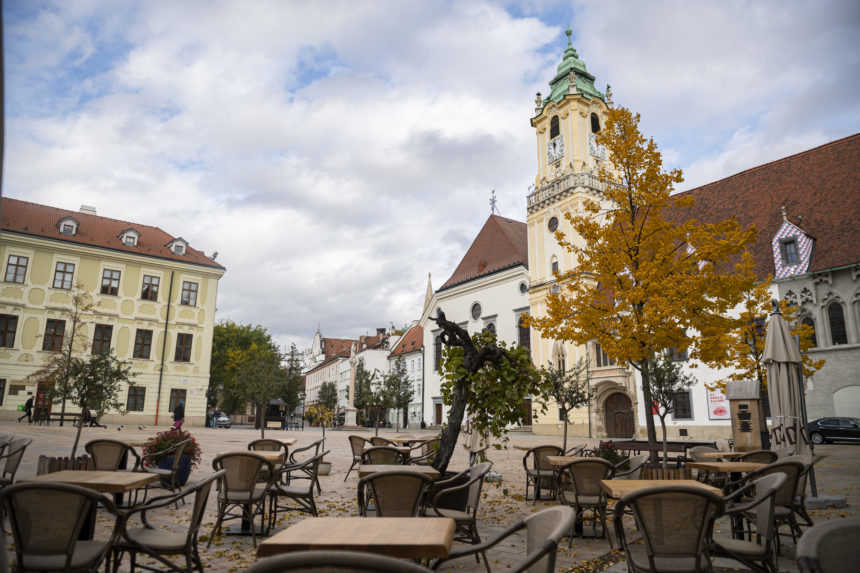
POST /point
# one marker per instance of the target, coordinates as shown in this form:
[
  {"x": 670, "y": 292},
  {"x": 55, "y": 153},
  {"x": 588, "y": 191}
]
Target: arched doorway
[{"x": 618, "y": 416}]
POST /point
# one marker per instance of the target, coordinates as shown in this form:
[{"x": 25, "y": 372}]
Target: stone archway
[{"x": 618, "y": 416}]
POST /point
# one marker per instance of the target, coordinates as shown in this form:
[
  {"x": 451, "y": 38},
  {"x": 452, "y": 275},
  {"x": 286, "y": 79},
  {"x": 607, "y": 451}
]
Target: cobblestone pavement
[{"x": 502, "y": 504}]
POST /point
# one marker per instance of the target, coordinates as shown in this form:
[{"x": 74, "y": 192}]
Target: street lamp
[{"x": 302, "y": 398}]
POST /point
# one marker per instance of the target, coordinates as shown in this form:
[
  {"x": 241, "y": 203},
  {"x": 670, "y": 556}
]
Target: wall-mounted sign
[{"x": 718, "y": 405}]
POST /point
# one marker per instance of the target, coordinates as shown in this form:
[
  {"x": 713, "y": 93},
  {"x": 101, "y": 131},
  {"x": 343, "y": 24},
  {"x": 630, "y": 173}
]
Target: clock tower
[{"x": 566, "y": 122}]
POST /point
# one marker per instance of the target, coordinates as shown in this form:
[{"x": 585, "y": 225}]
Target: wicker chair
[
  {"x": 297, "y": 457},
  {"x": 13, "y": 456},
  {"x": 383, "y": 455},
  {"x": 695, "y": 454},
  {"x": 465, "y": 517},
  {"x": 575, "y": 450},
  {"x": 676, "y": 523},
  {"x": 538, "y": 471},
  {"x": 356, "y": 444},
  {"x": 47, "y": 519},
  {"x": 760, "y": 556},
  {"x": 579, "y": 487},
  {"x": 423, "y": 453},
  {"x": 300, "y": 494},
  {"x": 544, "y": 529},
  {"x": 157, "y": 543},
  {"x": 335, "y": 561},
  {"x": 830, "y": 547},
  {"x": 111, "y": 455},
  {"x": 630, "y": 468},
  {"x": 784, "y": 498},
  {"x": 759, "y": 457},
  {"x": 267, "y": 445},
  {"x": 169, "y": 476},
  {"x": 239, "y": 488},
  {"x": 395, "y": 493},
  {"x": 380, "y": 441},
  {"x": 799, "y": 503},
  {"x": 723, "y": 445}
]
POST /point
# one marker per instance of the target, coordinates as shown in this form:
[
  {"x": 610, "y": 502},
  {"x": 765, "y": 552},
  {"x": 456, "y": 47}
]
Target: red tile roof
[
  {"x": 413, "y": 340},
  {"x": 501, "y": 244},
  {"x": 337, "y": 347},
  {"x": 93, "y": 230},
  {"x": 820, "y": 189}
]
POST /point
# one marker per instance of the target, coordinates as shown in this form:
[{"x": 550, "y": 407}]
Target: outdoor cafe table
[
  {"x": 403, "y": 537},
  {"x": 274, "y": 457},
  {"x": 617, "y": 488},
  {"x": 367, "y": 469},
  {"x": 287, "y": 441},
  {"x": 725, "y": 467},
  {"x": 404, "y": 440},
  {"x": 559, "y": 461},
  {"x": 716, "y": 456}
]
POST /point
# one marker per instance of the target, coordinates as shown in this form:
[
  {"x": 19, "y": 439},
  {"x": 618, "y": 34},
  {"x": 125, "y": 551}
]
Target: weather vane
[{"x": 494, "y": 205}]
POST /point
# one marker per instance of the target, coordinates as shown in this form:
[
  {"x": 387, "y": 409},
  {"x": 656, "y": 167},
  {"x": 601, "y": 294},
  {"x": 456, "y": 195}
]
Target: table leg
[{"x": 737, "y": 520}]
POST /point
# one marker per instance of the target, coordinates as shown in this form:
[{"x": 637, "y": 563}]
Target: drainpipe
[
  {"x": 422, "y": 385},
  {"x": 163, "y": 349}
]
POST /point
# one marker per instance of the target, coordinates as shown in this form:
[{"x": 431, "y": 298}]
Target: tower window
[
  {"x": 807, "y": 321},
  {"x": 595, "y": 123},
  {"x": 790, "y": 255},
  {"x": 554, "y": 130},
  {"x": 837, "y": 323},
  {"x": 553, "y": 265},
  {"x": 476, "y": 310},
  {"x": 552, "y": 225}
]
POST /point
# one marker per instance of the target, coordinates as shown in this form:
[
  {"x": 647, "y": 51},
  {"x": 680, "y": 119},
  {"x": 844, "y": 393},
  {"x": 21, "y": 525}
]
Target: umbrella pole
[{"x": 812, "y": 485}]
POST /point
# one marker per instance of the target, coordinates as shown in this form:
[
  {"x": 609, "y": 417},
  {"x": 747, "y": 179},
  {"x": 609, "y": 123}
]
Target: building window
[
  {"x": 837, "y": 323},
  {"x": 553, "y": 265},
  {"x": 807, "y": 321},
  {"x": 595, "y": 123},
  {"x": 16, "y": 269},
  {"x": 150, "y": 288},
  {"x": 476, "y": 310},
  {"x": 15, "y": 389},
  {"x": 437, "y": 353},
  {"x": 189, "y": 294},
  {"x": 142, "y": 343},
  {"x": 64, "y": 274},
  {"x": 136, "y": 398},
  {"x": 491, "y": 328},
  {"x": 101, "y": 338},
  {"x": 790, "y": 255},
  {"x": 554, "y": 130},
  {"x": 682, "y": 409},
  {"x": 2, "y": 390},
  {"x": 524, "y": 338},
  {"x": 8, "y": 325},
  {"x": 552, "y": 224},
  {"x": 129, "y": 238},
  {"x": 110, "y": 282},
  {"x": 602, "y": 359},
  {"x": 176, "y": 396},
  {"x": 524, "y": 288},
  {"x": 54, "y": 332},
  {"x": 183, "y": 347},
  {"x": 68, "y": 227}
]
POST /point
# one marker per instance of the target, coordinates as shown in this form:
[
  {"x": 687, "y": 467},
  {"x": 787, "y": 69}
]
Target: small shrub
[{"x": 167, "y": 439}]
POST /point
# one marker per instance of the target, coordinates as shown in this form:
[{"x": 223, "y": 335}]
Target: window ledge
[{"x": 849, "y": 346}]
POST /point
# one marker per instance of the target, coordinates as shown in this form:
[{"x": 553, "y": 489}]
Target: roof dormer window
[
  {"x": 129, "y": 237},
  {"x": 790, "y": 254},
  {"x": 178, "y": 246},
  {"x": 68, "y": 226}
]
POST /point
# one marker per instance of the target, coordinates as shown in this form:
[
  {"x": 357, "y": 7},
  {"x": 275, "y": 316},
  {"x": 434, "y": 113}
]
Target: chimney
[
  {"x": 380, "y": 331},
  {"x": 88, "y": 209}
]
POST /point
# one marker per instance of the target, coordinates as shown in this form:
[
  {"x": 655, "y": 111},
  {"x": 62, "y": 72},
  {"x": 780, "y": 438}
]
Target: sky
[{"x": 335, "y": 153}]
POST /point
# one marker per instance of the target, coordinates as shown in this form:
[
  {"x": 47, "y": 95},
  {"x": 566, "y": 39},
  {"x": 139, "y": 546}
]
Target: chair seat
[
  {"x": 742, "y": 548},
  {"x": 542, "y": 473},
  {"x": 663, "y": 564},
  {"x": 588, "y": 499},
  {"x": 290, "y": 490},
  {"x": 454, "y": 514},
  {"x": 158, "y": 539},
  {"x": 239, "y": 496},
  {"x": 86, "y": 553}
]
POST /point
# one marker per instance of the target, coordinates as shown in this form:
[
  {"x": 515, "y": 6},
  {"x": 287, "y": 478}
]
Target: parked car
[
  {"x": 826, "y": 430},
  {"x": 222, "y": 420}
]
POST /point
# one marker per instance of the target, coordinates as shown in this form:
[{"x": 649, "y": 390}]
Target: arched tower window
[
  {"x": 553, "y": 264},
  {"x": 807, "y": 321},
  {"x": 595, "y": 123},
  {"x": 837, "y": 323},
  {"x": 553, "y": 127}
]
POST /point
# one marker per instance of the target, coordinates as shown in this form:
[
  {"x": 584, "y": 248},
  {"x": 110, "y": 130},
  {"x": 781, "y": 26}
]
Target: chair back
[
  {"x": 356, "y": 444},
  {"x": 793, "y": 470},
  {"x": 335, "y": 561},
  {"x": 634, "y": 467},
  {"x": 760, "y": 457},
  {"x": 17, "y": 446},
  {"x": 241, "y": 471},
  {"x": 585, "y": 476},
  {"x": 306, "y": 452},
  {"x": 676, "y": 523},
  {"x": 201, "y": 491},
  {"x": 107, "y": 455},
  {"x": 830, "y": 547},
  {"x": 477, "y": 473},
  {"x": 544, "y": 529},
  {"x": 396, "y": 493},
  {"x": 536, "y": 457},
  {"x": 385, "y": 455},
  {"x": 765, "y": 490},
  {"x": 380, "y": 441},
  {"x": 47, "y": 518},
  {"x": 575, "y": 450},
  {"x": 267, "y": 445},
  {"x": 723, "y": 445},
  {"x": 695, "y": 453}
]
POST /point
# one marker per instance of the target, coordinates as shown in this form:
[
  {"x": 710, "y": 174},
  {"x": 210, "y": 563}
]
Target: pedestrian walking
[
  {"x": 28, "y": 411},
  {"x": 178, "y": 415}
]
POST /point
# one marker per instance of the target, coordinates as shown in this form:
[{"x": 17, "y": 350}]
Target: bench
[{"x": 58, "y": 417}]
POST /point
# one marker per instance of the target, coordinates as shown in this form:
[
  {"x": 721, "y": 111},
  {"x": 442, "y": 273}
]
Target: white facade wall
[
  {"x": 414, "y": 368},
  {"x": 315, "y": 379},
  {"x": 344, "y": 374},
  {"x": 502, "y": 302}
]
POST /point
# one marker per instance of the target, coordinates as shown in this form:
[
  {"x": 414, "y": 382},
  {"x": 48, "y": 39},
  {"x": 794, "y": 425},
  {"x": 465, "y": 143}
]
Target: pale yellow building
[
  {"x": 568, "y": 158},
  {"x": 154, "y": 297}
]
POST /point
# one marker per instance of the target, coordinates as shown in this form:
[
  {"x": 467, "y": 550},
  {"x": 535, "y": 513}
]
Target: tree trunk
[
  {"x": 77, "y": 436},
  {"x": 262, "y": 422},
  {"x": 644, "y": 367},
  {"x": 665, "y": 444},
  {"x": 564, "y": 441},
  {"x": 405, "y": 417},
  {"x": 451, "y": 432}
]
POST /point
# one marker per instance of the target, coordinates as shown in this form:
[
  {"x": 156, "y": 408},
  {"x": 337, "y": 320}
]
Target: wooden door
[
  {"x": 527, "y": 412},
  {"x": 438, "y": 414},
  {"x": 42, "y": 402},
  {"x": 618, "y": 416}
]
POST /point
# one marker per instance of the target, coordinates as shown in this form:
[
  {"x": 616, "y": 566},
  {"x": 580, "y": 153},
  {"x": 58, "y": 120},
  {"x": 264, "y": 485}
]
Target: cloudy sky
[{"x": 334, "y": 153}]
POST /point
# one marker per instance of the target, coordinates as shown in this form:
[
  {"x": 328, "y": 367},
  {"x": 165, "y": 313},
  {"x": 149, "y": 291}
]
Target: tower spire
[{"x": 429, "y": 294}]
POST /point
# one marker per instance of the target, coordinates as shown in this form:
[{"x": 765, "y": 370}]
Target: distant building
[
  {"x": 154, "y": 298},
  {"x": 410, "y": 347}
]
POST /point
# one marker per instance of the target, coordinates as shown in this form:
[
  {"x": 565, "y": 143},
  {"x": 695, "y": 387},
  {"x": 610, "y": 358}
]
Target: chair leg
[{"x": 218, "y": 522}]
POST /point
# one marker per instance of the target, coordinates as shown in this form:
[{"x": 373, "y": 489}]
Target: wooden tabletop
[
  {"x": 404, "y": 440},
  {"x": 403, "y": 537},
  {"x": 721, "y": 455},
  {"x": 367, "y": 469},
  {"x": 620, "y": 487},
  {"x": 101, "y": 481},
  {"x": 274, "y": 457},
  {"x": 559, "y": 461},
  {"x": 725, "y": 467},
  {"x": 287, "y": 441}
]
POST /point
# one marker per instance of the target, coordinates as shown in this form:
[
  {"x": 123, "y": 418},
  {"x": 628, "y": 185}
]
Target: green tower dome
[{"x": 560, "y": 84}]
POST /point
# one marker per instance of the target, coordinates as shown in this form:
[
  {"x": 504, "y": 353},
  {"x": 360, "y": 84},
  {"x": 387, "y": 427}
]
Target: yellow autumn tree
[
  {"x": 745, "y": 343},
  {"x": 646, "y": 277}
]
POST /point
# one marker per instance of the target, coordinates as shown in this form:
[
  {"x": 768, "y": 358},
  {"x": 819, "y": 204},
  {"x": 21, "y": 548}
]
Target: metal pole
[{"x": 812, "y": 485}]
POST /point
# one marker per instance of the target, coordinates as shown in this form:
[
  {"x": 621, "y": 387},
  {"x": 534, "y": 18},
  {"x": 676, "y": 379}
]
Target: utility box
[{"x": 747, "y": 421}]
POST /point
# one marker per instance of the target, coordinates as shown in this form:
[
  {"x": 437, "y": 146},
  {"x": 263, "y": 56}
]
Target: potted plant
[
  {"x": 158, "y": 452},
  {"x": 322, "y": 415}
]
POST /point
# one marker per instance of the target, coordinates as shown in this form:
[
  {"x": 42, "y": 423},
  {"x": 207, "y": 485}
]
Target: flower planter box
[
  {"x": 49, "y": 465},
  {"x": 182, "y": 472}
]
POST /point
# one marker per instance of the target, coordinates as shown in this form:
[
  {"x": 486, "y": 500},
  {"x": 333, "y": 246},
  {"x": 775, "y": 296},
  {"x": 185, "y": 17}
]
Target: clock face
[{"x": 555, "y": 149}]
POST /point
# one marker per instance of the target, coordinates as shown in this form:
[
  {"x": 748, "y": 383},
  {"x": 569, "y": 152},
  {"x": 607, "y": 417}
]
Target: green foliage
[
  {"x": 609, "y": 452},
  {"x": 328, "y": 395},
  {"x": 365, "y": 381},
  {"x": 568, "y": 389},
  {"x": 495, "y": 393},
  {"x": 293, "y": 386},
  {"x": 95, "y": 383},
  {"x": 228, "y": 339},
  {"x": 398, "y": 386},
  {"x": 666, "y": 380}
]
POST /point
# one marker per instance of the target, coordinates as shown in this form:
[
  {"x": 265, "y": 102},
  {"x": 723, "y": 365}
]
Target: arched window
[
  {"x": 553, "y": 264},
  {"x": 595, "y": 123},
  {"x": 602, "y": 359},
  {"x": 437, "y": 352},
  {"x": 559, "y": 355},
  {"x": 553, "y": 127},
  {"x": 807, "y": 321},
  {"x": 837, "y": 323},
  {"x": 491, "y": 328}
]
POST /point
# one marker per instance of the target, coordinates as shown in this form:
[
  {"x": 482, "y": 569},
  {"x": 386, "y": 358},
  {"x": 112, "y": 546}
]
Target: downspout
[
  {"x": 423, "y": 366},
  {"x": 163, "y": 348}
]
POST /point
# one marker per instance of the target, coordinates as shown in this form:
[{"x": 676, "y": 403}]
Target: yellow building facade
[
  {"x": 568, "y": 159},
  {"x": 153, "y": 299}
]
